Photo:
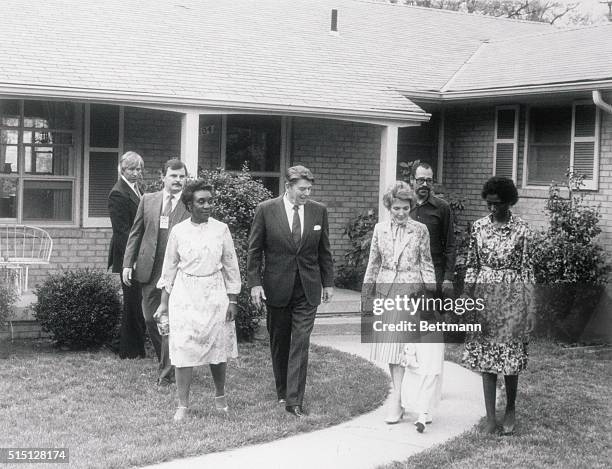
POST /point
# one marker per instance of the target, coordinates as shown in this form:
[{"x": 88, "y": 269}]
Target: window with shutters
[
  {"x": 506, "y": 141},
  {"x": 103, "y": 146},
  {"x": 38, "y": 164},
  {"x": 562, "y": 137}
]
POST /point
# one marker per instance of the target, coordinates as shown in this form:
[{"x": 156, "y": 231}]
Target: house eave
[
  {"x": 524, "y": 90},
  {"x": 182, "y": 104}
]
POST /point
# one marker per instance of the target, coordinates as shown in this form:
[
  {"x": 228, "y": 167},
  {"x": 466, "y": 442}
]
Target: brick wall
[
  {"x": 155, "y": 135},
  {"x": 73, "y": 248},
  {"x": 344, "y": 158}
]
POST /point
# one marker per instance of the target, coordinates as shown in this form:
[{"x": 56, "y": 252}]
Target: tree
[{"x": 544, "y": 11}]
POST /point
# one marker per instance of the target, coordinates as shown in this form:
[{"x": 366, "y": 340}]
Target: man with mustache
[
  {"x": 290, "y": 269},
  {"x": 144, "y": 254}
]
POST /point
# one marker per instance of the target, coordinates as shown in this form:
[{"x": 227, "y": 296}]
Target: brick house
[{"x": 348, "y": 88}]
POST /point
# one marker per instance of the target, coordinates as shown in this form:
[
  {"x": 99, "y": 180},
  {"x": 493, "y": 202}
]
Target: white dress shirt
[
  {"x": 289, "y": 210},
  {"x": 175, "y": 198}
]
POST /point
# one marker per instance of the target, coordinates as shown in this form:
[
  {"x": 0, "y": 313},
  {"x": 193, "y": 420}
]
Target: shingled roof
[{"x": 260, "y": 55}]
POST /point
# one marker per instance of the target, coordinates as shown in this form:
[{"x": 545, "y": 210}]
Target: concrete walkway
[{"x": 364, "y": 442}]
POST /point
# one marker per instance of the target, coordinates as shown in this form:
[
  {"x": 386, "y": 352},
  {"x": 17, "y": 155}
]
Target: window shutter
[
  {"x": 584, "y": 151},
  {"x": 102, "y": 178},
  {"x": 506, "y": 141}
]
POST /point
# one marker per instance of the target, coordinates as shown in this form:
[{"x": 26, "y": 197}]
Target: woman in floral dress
[
  {"x": 200, "y": 283},
  {"x": 499, "y": 270}
]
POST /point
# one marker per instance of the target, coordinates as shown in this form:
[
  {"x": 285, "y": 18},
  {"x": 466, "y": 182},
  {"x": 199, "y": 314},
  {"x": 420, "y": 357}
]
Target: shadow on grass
[
  {"x": 109, "y": 413},
  {"x": 563, "y": 413}
]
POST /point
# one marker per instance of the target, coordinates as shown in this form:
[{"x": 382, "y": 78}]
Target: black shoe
[{"x": 296, "y": 410}]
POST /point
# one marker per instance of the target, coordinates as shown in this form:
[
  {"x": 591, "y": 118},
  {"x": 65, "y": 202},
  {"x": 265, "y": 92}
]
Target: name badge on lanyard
[{"x": 164, "y": 222}]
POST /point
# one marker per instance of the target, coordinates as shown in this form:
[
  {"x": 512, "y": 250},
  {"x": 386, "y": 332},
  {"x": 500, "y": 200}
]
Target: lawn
[
  {"x": 564, "y": 416},
  {"x": 109, "y": 413}
]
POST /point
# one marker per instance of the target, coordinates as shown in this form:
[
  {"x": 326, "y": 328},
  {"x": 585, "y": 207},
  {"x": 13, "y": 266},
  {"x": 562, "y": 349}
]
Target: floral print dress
[
  {"x": 200, "y": 269},
  {"x": 500, "y": 271}
]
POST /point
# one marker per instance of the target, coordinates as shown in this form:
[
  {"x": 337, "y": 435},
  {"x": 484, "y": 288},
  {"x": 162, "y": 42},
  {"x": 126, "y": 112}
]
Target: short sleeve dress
[
  {"x": 200, "y": 269},
  {"x": 499, "y": 269}
]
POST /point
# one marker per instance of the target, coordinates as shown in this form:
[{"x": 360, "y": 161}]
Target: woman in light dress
[
  {"x": 400, "y": 264},
  {"x": 200, "y": 283}
]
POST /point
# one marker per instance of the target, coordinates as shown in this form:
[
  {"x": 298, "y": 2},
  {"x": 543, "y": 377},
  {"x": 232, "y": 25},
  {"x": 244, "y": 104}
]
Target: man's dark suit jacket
[
  {"x": 272, "y": 248},
  {"x": 122, "y": 207},
  {"x": 142, "y": 242}
]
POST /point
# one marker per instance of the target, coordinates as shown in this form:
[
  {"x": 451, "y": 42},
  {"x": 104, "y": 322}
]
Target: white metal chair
[{"x": 22, "y": 246}]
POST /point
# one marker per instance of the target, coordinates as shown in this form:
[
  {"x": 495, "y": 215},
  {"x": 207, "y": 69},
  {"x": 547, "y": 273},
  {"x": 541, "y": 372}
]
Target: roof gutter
[
  {"x": 211, "y": 106},
  {"x": 508, "y": 91},
  {"x": 600, "y": 103}
]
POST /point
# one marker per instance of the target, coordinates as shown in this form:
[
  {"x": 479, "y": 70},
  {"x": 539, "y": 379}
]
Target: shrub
[
  {"x": 80, "y": 308},
  {"x": 236, "y": 198},
  {"x": 8, "y": 295},
  {"x": 570, "y": 268},
  {"x": 359, "y": 231}
]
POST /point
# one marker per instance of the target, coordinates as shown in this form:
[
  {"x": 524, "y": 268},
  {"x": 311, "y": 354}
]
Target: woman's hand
[
  {"x": 232, "y": 311},
  {"x": 162, "y": 310}
]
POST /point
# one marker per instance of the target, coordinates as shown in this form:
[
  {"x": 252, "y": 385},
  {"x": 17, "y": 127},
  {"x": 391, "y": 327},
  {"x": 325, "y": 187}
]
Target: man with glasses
[{"x": 436, "y": 214}]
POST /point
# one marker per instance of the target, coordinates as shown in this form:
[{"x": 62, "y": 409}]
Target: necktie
[
  {"x": 167, "y": 206},
  {"x": 137, "y": 191},
  {"x": 296, "y": 227}
]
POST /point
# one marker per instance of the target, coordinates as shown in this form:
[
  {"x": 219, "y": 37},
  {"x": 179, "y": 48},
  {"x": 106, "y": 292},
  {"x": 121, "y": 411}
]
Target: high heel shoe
[
  {"x": 180, "y": 414},
  {"x": 509, "y": 422},
  {"x": 221, "y": 403}
]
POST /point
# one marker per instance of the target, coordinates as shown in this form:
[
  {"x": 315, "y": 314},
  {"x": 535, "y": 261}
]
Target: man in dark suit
[
  {"x": 289, "y": 239},
  {"x": 144, "y": 254},
  {"x": 123, "y": 203}
]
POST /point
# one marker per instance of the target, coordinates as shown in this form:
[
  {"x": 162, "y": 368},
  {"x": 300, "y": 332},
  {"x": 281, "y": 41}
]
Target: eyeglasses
[{"x": 421, "y": 181}]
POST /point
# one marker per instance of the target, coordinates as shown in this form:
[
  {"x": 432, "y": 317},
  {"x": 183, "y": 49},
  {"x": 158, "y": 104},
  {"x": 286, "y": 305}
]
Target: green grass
[
  {"x": 563, "y": 411},
  {"x": 109, "y": 413}
]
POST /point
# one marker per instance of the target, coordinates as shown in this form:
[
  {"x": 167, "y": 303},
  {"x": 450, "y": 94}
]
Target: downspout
[{"x": 600, "y": 103}]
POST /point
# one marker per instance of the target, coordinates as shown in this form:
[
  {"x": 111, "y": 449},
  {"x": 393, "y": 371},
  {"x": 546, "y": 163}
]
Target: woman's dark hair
[
  {"x": 193, "y": 186},
  {"x": 503, "y": 187}
]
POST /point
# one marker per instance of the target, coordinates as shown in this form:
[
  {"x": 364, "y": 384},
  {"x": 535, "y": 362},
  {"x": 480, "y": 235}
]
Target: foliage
[
  {"x": 359, "y": 230},
  {"x": 236, "y": 198},
  {"x": 8, "y": 295},
  {"x": 566, "y": 252},
  {"x": 542, "y": 11},
  {"x": 569, "y": 266},
  {"x": 80, "y": 307}
]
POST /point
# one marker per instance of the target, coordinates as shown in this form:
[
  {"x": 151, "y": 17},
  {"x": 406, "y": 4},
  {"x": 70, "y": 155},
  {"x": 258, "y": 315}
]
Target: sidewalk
[{"x": 364, "y": 442}]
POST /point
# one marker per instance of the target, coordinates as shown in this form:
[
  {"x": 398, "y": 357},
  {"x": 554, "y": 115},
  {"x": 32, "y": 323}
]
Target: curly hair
[
  {"x": 501, "y": 186},
  {"x": 192, "y": 187},
  {"x": 399, "y": 190}
]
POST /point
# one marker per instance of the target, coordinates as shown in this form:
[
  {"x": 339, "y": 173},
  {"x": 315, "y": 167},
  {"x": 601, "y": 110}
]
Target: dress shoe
[
  {"x": 181, "y": 414},
  {"x": 296, "y": 410},
  {"x": 426, "y": 418},
  {"x": 282, "y": 401},
  {"x": 509, "y": 422},
  {"x": 221, "y": 403}
]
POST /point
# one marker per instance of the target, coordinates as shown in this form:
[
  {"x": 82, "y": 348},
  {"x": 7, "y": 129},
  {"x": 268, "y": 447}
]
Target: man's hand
[
  {"x": 258, "y": 296},
  {"x": 126, "y": 276},
  {"x": 328, "y": 293},
  {"x": 448, "y": 289}
]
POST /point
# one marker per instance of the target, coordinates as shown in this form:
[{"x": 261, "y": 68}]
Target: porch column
[
  {"x": 190, "y": 129},
  {"x": 388, "y": 165}
]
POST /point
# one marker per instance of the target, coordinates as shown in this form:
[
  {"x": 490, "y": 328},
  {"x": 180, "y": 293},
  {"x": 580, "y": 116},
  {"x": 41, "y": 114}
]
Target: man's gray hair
[
  {"x": 129, "y": 158},
  {"x": 295, "y": 173}
]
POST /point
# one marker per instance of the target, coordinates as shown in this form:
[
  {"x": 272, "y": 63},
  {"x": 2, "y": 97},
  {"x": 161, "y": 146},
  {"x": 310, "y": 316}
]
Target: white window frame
[
  {"x": 514, "y": 141},
  {"x": 97, "y": 222},
  {"x": 588, "y": 185},
  {"x": 284, "y": 152},
  {"x": 75, "y": 178}
]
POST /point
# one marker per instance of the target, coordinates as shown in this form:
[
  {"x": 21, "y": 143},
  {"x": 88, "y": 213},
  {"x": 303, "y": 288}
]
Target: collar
[
  {"x": 511, "y": 221},
  {"x": 289, "y": 205},
  {"x": 431, "y": 200},
  {"x": 131, "y": 184},
  {"x": 176, "y": 196}
]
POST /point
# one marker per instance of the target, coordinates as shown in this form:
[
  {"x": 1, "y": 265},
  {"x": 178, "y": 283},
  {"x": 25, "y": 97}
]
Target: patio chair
[{"x": 22, "y": 246}]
